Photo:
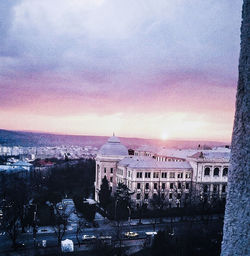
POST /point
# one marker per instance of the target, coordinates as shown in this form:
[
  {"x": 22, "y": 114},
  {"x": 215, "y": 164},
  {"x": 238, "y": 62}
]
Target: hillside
[{"x": 20, "y": 138}]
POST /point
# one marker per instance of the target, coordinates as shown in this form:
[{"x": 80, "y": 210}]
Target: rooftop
[
  {"x": 113, "y": 147},
  {"x": 150, "y": 163}
]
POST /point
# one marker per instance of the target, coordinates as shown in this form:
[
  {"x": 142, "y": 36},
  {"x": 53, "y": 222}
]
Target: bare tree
[
  {"x": 79, "y": 229},
  {"x": 60, "y": 222}
]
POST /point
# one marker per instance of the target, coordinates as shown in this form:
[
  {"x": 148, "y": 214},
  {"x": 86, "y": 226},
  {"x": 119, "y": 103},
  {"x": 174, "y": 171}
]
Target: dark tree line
[{"x": 23, "y": 198}]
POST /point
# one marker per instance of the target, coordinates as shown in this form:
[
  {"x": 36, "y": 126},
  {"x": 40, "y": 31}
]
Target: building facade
[{"x": 170, "y": 174}]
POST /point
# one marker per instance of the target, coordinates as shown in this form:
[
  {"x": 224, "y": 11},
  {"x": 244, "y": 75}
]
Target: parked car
[
  {"x": 88, "y": 237},
  {"x": 105, "y": 237},
  {"x": 131, "y": 234}
]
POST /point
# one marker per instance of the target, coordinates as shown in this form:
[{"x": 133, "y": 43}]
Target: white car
[
  {"x": 131, "y": 234},
  {"x": 105, "y": 237},
  {"x": 88, "y": 237}
]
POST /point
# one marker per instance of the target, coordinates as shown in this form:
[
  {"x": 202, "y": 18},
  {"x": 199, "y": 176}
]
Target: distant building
[{"x": 172, "y": 173}]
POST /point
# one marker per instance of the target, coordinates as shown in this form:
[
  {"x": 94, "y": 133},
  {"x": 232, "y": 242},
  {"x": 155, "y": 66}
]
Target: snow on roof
[
  {"x": 178, "y": 153},
  {"x": 212, "y": 155},
  {"x": 113, "y": 147},
  {"x": 147, "y": 148},
  {"x": 22, "y": 163},
  {"x": 90, "y": 201},
  {"x": 150, "y": 163}
]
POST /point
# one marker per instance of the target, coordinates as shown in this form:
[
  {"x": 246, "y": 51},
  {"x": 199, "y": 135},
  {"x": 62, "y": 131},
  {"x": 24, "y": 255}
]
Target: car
[
  {"x": 131, "y": 234},
  {"x": 105, "y": 237},
  {"x": 88, "y": 237},
  {"x": 151, "y": 233}
]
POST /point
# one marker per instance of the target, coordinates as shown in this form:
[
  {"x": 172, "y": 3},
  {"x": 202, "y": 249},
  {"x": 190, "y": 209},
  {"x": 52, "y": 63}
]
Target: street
[{"x": 176, "y": 228}]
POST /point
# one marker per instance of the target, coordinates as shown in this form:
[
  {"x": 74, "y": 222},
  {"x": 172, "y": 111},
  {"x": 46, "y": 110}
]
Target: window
[
  {"x": 111, "y": 179},
  {"x": 188, "y": 175},
  {"x": 215, "y": 188},
  {"x": 156, "y": 175},
  {"x": 223, "y": 189},
  {"x": 170, "y": 195},
  {"x": 147, "y": 174},
  {"x": 139, "y": 175},
  {"x": 225, "y": 171},
  {"x": 186, "y": 196},
  {"x": 155, "y": 185},
  {"x": 146, "y": 196},
  {"x": 171, "y": 185},
  {"x": 138, "y": 185},
  {"x": 154, "y": 196},
  {"x": 180, "y": 175},
  {"x": 207, "y": 171},
  {"x": 179, "y": 185},
  {"x": 147, "y": 186},
  {"x": 205, "y": 188},
  {"x": 216, "y": 171},
  {"x": 163, "y": 186},
  {"x": 179, "y": 196},
  {"x": 187, "y": 185},
  {"x": 162, "y": 196},
  {"x": 105, "y": 170},
  {"x": 172, "y": 175},
  {"x": 164, "y": 175},
  {"x": 138, "y": 196},
  {"x": 111, "y": 170}
]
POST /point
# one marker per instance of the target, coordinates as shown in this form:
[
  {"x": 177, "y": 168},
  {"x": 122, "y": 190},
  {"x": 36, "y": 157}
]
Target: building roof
[
  {"x": 113, "y": 147},
  {"x": 212, "y": 155},
  {"x": 21, "y": 163},
  {"x": 150, "y": 163},
  {"x": 177, "y": 153}
]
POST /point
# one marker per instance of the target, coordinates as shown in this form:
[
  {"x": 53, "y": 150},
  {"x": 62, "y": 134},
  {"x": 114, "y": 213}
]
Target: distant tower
[
  {"x": 236, "y": 236},
  {"x": 106, "y": 162}
]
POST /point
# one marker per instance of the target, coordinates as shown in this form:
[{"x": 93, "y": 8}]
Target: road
[{"x": 180, "y": 228}]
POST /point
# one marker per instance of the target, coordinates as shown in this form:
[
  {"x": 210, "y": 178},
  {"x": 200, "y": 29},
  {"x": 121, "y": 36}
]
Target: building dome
[{"x": 113, "y": 147}]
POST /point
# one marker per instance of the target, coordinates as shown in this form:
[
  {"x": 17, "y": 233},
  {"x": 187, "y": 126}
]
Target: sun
[{"x": 164, "y": 136}]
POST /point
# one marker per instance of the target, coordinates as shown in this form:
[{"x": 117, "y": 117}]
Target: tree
[
  {"x": 60, "y": 222},
  {"x": 11, "y": 222},
  {"x": 105, "y": 194},
  {"x": 79, "y": 229},
  {"x": 15, "y": 196},
  {"x": 122, "y": 203},
  {"x": 158, "y": 202}
]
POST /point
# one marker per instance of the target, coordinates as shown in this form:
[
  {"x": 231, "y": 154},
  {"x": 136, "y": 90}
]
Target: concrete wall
[{"x": 236, "y": 226}]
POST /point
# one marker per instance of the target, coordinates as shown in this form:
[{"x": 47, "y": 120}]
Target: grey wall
[{"x": 236, "y": 227}]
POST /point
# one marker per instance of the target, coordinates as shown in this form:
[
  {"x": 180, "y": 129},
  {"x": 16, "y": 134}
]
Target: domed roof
[{"x": 113, "y": 147}]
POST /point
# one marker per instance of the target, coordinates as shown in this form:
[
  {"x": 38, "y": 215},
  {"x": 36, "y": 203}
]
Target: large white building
[{"x": 171, "y": 173}]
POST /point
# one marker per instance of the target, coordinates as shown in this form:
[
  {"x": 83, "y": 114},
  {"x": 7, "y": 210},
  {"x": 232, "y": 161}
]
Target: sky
[{"x": 164, "y": 69}]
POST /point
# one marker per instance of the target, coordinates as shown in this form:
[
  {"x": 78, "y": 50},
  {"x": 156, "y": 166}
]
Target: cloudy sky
[{"x": 144, "y": 68}]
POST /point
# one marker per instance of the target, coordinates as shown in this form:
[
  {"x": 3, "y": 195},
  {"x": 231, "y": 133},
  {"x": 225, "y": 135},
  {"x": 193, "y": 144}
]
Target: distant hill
[{"x": 28, "y": 139}]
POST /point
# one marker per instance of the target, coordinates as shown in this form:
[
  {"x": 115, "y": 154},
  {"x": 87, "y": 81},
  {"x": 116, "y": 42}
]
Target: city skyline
[{"x": 163, "y": 70}]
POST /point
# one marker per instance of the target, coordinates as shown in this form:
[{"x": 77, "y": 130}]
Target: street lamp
[{"x": 129, "y": 215}]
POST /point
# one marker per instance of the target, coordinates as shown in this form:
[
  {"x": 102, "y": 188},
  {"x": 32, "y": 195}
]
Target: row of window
[
  {"x": 162, "y": 195},
  {"x": 216, "y": 171},
  {"x": 105, "y": 170},
  {"x": 206, "y": 188},
  {"x": 163, "y": 185},
  {"x": 164, "y": 175}
]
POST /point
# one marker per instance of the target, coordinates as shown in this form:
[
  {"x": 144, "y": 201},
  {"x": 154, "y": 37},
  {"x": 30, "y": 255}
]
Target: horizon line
[{"x": 125, "y": 137}]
